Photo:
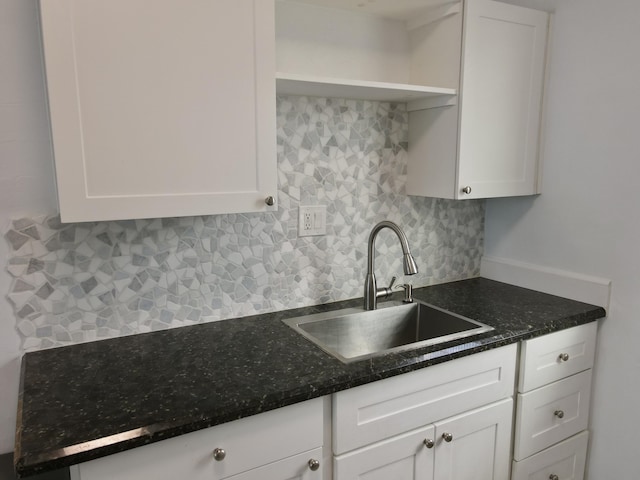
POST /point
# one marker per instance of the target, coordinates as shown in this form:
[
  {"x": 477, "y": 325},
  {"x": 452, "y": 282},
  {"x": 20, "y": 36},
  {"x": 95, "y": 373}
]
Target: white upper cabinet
[
  {"x": 163, "y": 108},
  {"x": 487, "y": 145},
  {"x": 471, "y": 72}
]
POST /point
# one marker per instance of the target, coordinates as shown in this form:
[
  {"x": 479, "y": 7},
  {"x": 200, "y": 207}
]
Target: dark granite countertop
[{"x": 89, "y": 400}]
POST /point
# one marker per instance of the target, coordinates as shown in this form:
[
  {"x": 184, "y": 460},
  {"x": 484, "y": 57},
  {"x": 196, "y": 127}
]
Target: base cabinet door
[
  {"x": 404, "y": 457},
  {"x": 475, "y": 445}
]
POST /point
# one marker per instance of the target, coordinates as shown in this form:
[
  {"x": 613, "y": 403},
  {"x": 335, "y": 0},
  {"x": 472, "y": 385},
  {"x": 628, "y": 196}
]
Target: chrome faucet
[{"x": 371, "y": 290}]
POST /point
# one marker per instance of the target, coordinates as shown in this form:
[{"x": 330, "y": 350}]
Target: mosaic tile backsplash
[{"x": 80, "y": 282}]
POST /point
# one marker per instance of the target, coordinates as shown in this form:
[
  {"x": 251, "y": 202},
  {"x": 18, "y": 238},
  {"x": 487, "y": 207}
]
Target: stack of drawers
[{"x": 553, "y": 405}]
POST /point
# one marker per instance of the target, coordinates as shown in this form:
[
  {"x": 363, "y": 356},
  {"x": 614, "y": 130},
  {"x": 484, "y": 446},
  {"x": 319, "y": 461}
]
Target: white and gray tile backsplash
[{"x": 80, "y": 282}]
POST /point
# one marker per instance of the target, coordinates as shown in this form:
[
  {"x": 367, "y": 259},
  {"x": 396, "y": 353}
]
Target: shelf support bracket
[
  {"x": 432, "y": 102},
  {"x": 435, "y": 14}
]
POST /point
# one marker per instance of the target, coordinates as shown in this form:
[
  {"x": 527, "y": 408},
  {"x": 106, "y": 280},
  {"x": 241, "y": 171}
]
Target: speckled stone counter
[{"x": 89, "y": 400}]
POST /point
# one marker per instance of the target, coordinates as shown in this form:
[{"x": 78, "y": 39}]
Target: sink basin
[{"x": 355, "y": 334}]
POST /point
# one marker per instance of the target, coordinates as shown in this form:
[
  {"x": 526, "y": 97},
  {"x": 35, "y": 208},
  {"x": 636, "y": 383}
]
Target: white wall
[
  {"x": 586, "y": 220},
  {"x": 26, "y": 170}
]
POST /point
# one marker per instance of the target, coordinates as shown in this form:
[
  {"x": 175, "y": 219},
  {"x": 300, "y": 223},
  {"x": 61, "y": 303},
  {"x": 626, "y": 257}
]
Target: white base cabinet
[
  {"x": 276, "y": 445},
  {"x": 552, "y": 411},
  {"x": 451, "y": 421},
  {"x": 448, "y": 422}
]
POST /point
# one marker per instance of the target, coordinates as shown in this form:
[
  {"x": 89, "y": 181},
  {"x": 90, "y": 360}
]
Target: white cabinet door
[
  {"x": 475, "y": 445},
  {"x": 403, "y": 457},
  {"x": 489, "y": 141},
  {"x": 501, "y": 99},
  {"x": 163, "y": 108}
]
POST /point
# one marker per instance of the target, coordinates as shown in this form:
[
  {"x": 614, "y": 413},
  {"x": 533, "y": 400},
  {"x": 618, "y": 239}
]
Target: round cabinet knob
[
  {"x": 563, "y": 357},
  {"x": 314, "y": 464},
  {"x": 466, "y": 190},
  {"x": 553, "y": 476},
  {"x": 559, "y": 413},
  {"x": 219, "y": 454},
  {"x": 270, "y": 200},
  {"x": 428, "y": 443},
  {"x": 447, "y": 437}
]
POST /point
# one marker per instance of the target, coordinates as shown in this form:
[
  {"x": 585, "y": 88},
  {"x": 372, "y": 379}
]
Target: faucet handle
[{"x": 384, "y": 292}]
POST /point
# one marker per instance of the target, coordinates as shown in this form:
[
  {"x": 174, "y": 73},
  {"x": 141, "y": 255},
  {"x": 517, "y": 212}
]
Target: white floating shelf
[{"x": 313, "y": 86}]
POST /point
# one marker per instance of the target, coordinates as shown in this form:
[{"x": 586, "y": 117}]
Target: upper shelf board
[
  {"x": 394, "y": 9},
  {"x": 406, "y": 10},
  {"x": 293, "y": 84}
]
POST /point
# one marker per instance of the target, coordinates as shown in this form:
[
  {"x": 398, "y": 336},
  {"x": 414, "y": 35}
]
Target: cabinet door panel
[
  {"x": 404, "y": 457},
  {"x": 172, "y": 115},
  {"x": 480, "y": 444},
  {"x": 501, "y": 99}
]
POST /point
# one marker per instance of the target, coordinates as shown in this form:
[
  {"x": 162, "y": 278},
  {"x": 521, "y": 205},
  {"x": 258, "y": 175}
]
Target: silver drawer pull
[
  {"x": 563, "y": 357},
  {"x": 270, "y": 200},
  {"x": 553, "y": 476},
  {"x": 314, "y": 464},
  {"x": 428, "y": 443},
  {"x": 447, "y": 437},
  {"x": 219, "y": 454},
  {"x": 559, "y": 413}
]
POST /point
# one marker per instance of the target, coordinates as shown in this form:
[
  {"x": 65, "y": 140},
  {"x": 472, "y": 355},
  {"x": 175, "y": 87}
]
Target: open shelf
[{"x": 310, "y": 85}]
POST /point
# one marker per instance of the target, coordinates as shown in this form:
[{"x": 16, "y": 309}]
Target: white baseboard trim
[{"x": 576, "y": 286}]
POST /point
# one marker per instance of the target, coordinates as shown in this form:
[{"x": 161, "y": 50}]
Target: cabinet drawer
[
  {"x": 249, "y": 443},
  {"x": 542, "y": 358},
  {"x": 566, "y": 460},
  {"x": 551, "y": 414},
  {"x": 372, "y": 412},
  {"x": 291, "y": 468}
]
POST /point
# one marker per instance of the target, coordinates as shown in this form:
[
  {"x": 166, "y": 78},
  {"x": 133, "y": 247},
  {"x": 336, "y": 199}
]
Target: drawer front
[
  {"x": 291, "y": 468},
  {"x": 372, "y": 412},
  {"x": 248, "y": 443},
  {"x": 565, "y": 460},
  {"x": 557, "y": 355},
  {"x": 551, "y": 414},
  {"x": 404, "y": 457}
]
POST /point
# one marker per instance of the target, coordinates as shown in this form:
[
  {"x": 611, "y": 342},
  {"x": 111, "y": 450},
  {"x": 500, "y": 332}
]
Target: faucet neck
[
  {"x": 372, "y": 239},
  {"x": 371, "y": 290}
]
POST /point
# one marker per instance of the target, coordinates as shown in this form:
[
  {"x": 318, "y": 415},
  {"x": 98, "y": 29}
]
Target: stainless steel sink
[{"x": 355, "y": 334}]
